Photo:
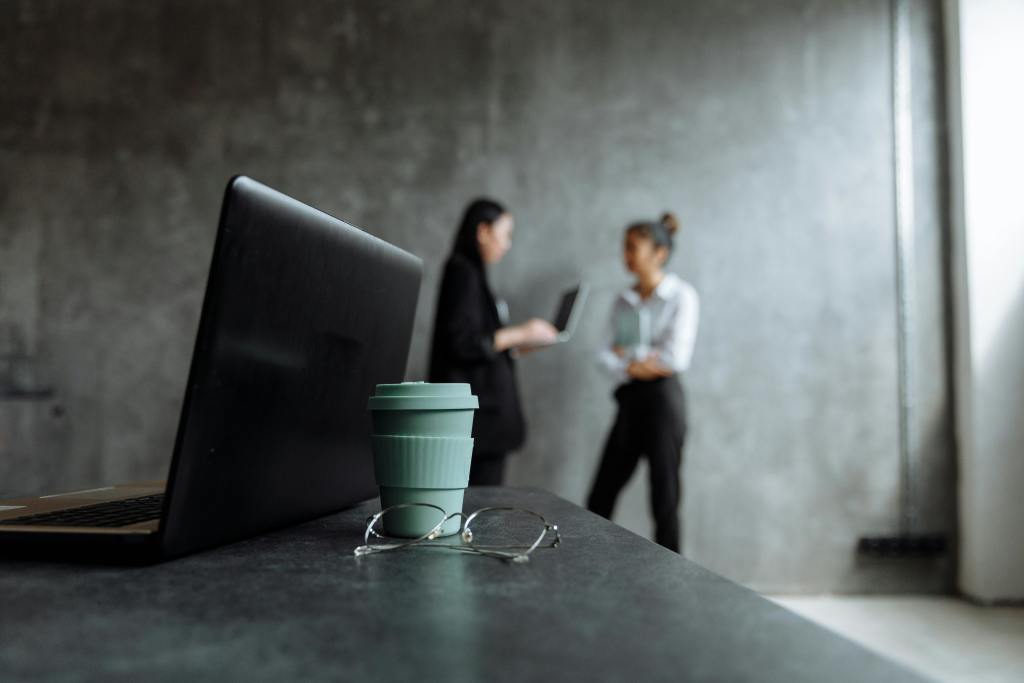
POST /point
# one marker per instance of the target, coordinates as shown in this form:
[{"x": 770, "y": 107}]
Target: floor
[{"x": 945, "y": 638}]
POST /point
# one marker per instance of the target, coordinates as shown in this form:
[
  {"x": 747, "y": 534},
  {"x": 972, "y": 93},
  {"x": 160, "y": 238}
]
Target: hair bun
[{"x": 670, "y": 222}]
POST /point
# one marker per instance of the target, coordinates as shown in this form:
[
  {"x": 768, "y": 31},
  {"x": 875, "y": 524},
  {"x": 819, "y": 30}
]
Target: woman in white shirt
[{"x": 648, "y": 347}]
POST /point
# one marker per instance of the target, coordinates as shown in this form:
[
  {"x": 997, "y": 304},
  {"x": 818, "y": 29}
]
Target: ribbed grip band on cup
[{"x": 422, "y": 461}]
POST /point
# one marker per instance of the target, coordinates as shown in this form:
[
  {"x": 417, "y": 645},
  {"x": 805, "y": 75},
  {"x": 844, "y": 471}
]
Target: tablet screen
[{"x": 564, "y": 313}]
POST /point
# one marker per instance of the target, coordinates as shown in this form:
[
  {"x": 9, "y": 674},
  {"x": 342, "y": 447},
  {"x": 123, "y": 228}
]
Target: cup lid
[{"x": 423, "y": 396}]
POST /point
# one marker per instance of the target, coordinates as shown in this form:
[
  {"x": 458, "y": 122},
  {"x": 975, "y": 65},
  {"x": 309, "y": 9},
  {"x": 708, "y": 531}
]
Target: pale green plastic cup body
[
  {"x": 421, "y": 469},
  {"x": 414, "y": 522},
  {"x": 423, "y": 422},
  {"x": 422, "y": 448}
]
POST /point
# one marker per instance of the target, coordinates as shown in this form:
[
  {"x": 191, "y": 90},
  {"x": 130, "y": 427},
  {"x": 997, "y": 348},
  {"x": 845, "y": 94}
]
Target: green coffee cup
[{"x": 422, "y": 450}]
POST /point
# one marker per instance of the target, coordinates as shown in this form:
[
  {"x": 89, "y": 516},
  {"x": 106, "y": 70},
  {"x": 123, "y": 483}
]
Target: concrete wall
[
  {"x": 986, "y": 61},
  {"x": 766, "y": 126}
]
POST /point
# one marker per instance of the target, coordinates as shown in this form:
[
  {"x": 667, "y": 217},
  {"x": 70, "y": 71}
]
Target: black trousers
[
  {"x": 651, "y": 422},
  {"x": 487, "y": 469}
]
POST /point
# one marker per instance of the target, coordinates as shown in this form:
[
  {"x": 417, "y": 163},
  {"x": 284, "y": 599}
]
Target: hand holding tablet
[
  {"x": 564, "y": 322},
  {"x": 568, "y": 313}
]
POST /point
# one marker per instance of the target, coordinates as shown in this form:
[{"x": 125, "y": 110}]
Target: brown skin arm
[{"x": 647, "y": 369}]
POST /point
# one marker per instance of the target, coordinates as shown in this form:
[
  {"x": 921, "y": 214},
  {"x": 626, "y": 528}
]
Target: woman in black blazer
[{"x": 472, "y": 344}]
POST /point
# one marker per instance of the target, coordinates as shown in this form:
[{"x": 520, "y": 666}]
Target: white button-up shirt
[{"x": 664, "y": 323}]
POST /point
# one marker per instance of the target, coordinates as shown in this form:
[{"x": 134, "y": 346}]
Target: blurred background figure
[
  {"x": 473, "y": 341},
  {"x": 653, "y": 330}
]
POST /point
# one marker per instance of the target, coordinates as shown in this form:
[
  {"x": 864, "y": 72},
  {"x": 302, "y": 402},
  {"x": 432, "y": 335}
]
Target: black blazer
[{"x": 463, "y": 351}]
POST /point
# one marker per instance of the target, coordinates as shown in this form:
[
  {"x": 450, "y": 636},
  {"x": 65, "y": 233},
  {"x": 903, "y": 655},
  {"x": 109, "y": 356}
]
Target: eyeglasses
[{"x": 507, "y": 533}]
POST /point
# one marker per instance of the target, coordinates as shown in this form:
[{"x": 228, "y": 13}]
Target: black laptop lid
[{"x": 303, "y": 316}]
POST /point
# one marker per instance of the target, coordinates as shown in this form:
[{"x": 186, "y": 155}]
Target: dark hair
[
  {"x": 479, "y": 211},
  {"x": 661, "y": 232}
]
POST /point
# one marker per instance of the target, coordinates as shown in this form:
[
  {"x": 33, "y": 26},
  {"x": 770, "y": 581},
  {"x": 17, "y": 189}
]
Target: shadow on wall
[{"x": 31, "y": 416}]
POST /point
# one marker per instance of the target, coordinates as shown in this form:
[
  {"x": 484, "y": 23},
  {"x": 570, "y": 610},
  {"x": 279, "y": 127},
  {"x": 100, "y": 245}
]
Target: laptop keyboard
[{"x": 110, "y": 514}]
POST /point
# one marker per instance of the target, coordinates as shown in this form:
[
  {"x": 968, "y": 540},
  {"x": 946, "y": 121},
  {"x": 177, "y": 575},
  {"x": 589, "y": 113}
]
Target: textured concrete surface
[
  {"x": 947, "y": 639},
  {"x": 766, "y": 126},
  {"x": 604, "y": 606}
]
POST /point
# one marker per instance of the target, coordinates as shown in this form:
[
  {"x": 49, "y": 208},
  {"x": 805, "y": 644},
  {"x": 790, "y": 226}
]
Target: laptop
[
  {"x": 303, "y": 316},
  {"x": 569, "y": 310}
]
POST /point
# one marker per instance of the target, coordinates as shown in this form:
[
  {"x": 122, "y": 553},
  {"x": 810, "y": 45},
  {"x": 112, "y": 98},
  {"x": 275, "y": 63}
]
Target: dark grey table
[{"x": 296, "y": 605}]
